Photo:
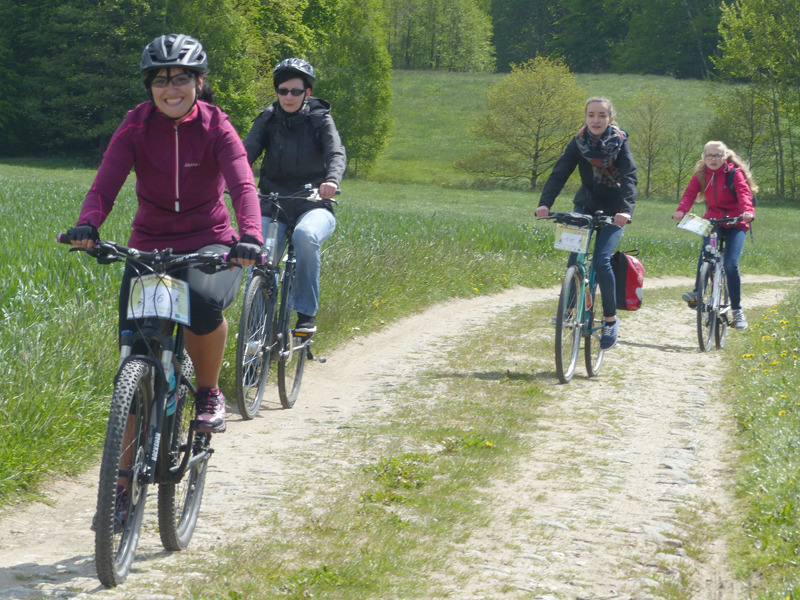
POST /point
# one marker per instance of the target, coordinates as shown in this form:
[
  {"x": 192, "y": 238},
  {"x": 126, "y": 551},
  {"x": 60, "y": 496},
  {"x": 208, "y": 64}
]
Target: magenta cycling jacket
[{"x": 181, "y": 174}]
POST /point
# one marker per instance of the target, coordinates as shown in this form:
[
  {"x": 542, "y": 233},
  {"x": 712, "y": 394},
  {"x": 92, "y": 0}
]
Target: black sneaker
[{"x": 305, "y": 324}]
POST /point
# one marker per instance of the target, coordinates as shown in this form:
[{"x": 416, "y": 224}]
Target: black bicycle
[
  {"x": 151, "y": 435},
  {"x": 265, "y": 331}
]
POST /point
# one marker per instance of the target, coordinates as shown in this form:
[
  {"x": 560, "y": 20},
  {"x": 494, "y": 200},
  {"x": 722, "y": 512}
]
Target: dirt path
[{"x": 649, "y": 441}]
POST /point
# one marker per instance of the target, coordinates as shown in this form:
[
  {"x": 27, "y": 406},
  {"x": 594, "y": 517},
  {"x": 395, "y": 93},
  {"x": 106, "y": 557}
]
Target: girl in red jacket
[{"x": 709, "y": 183}]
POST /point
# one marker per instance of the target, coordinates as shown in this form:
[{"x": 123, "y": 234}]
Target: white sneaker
[{"x": 739, "y": 320}]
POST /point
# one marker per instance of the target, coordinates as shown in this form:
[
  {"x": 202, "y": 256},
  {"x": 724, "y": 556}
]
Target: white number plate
[
  {"x": 695, "y": 224},
  {"x": 159, "y": 296},
  {"x": 571, "y": 239}
]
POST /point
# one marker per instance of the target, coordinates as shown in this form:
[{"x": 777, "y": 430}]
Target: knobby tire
[
  {"x": 254, "y": 346},
  {"x": 179, "y": 503},
  {"x": 115, "y": 547}
]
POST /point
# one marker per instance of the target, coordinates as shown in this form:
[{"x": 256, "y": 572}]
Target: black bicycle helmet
[
  {"x": 174, "y": 50},
  {"x": 293, "y": 67}
]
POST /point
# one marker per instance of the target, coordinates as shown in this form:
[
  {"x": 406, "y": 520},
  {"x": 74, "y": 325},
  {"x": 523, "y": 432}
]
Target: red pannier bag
[{"x": 629, "y": 273}]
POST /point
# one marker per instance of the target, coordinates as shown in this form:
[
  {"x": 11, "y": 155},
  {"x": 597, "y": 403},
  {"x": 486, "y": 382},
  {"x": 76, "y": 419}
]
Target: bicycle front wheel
[
  {"x": 593, "y": 353},
  {"x": 179, "y": 503},
  {"x": 569, "y": 320},
  {"x": 122, "y": 491},
  {"x": 706, "y": 310},
  {"x": 254, "y": 345},
  {"x": 721, "y": 331}
]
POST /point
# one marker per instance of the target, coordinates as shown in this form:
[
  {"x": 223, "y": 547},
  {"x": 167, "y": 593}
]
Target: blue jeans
[
  {"x": 734, "y": 244},
  {"x": 605, "y": 244},
  {"x": 311, "y": 230}
]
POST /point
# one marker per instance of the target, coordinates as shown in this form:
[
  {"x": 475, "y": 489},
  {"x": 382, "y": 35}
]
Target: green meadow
[{"x": 410, "y": 235}]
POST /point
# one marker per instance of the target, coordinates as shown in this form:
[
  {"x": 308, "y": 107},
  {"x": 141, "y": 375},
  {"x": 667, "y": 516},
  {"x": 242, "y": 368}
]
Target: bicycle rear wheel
[
  {"x": 119, "y": 514},
  {"x": 568, "y": 325},
  {"x": 706, "y": 311},
  {"x": 593, "y": 353},
  {"x": 292, "y": 359},
  {"x": 179, "y": 503},
  {"x": 721, "y": 332},
  {"x": 254, "y": 345}
]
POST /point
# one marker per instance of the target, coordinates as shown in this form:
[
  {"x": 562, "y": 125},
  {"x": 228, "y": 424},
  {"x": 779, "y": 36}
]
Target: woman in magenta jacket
[
  {"x": 185, "y": 152},
  {"x": 709, "y": 183}
]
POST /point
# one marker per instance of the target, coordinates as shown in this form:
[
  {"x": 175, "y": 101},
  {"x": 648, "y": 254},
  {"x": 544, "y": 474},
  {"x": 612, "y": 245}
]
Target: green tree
[
  {"x": 442, "y": 35},
  {"x": 759, "y": 41},
  {"x": 354, "y": 71},
  {"x": 669, "y": 37},
  {"x": 529, "y": 117},
  {"x": 648, "y": 123},
  {"x": 523, "y": 28},
  {"x": 588, "y": 32}
]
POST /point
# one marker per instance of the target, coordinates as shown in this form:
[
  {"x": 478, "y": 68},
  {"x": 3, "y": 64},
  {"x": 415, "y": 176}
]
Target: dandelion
[
  {"x": 767, "y": 338},
  {"x": 775, "y": 363},
  {"x": 783, "y": 412},
  {"x": 784, "y": 396},
  {"x": 748, "y": 355}
]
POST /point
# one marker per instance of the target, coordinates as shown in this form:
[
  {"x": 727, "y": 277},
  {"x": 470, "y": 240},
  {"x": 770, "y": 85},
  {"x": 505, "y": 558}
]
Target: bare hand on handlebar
[{"x": 327, "y": 189}]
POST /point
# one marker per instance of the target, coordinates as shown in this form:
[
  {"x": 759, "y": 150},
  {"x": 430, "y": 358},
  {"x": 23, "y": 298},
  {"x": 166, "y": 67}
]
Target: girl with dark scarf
[{"x": 603, "y": 156}]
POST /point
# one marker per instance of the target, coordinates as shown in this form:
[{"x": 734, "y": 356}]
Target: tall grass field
[{"x": 410, "y": 235}]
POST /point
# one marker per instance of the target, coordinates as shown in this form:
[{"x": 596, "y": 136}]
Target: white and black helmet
[
  {"x": 293, "y": 67},
  {"x": 174, "y": 50}
]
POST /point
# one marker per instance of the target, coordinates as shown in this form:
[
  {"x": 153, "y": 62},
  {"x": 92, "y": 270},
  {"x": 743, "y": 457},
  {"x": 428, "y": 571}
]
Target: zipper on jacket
[{"x": 177, "y": 173}]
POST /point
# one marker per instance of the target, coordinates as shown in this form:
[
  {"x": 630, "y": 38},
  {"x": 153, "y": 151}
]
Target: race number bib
[
  {"x": 571, "y": 239},
  {"x": 159, "y": 296},
  {"x": 695, "y": 224}
]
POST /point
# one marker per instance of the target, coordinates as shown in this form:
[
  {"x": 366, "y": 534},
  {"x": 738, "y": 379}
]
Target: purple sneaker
[{"x": 210, "y": 410}]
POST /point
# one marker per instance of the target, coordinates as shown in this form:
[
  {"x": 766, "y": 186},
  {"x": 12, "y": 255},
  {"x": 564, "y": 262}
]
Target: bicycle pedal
[{"x": 692, "y": 305}]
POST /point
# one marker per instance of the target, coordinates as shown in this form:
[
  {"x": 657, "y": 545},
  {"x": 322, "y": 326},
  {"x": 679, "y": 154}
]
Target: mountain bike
[
  {"x": 575, "y": 317},
  {"x": 713, "y": 303},
  {"x": 150, "y": 437},
  {"x": 265, "y": 331}
]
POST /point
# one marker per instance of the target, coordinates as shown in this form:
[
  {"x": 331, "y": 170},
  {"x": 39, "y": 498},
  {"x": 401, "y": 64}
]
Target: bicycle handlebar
[
  {"x": 106, "y": 252},
  {"x": 726, "y": 221},
  {"x": 598, "y": 219}
]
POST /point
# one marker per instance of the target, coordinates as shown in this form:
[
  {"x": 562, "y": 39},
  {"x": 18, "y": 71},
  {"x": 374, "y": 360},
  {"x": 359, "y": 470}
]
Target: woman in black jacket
[
  {"x": 603, "y": 156},
  {"x": 301, "y": 146}
]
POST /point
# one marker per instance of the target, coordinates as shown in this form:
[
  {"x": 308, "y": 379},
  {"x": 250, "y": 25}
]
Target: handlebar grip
[{"x": 262, "y": 258}]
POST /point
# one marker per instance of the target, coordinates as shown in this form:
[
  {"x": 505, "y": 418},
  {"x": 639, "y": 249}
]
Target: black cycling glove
[
  {"x": 247, "y": 248},
  {"x": 83, "y": 232}
]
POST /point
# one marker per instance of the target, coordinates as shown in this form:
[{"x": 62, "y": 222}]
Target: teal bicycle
[{"x": 575, "y": 317}]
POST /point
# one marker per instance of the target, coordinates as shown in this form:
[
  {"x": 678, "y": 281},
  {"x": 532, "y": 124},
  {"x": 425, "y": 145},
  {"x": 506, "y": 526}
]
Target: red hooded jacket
[{"x": 720, "y": 202}]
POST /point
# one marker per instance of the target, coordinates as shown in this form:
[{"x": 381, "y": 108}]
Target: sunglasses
[
  {"x": 178, "y": 80},
  {"x": 293, "y": 91}
]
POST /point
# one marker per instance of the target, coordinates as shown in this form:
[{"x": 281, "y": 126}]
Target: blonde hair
[
  {"x": 727, "y": 155},
  {"x": 603, "y": 100}
]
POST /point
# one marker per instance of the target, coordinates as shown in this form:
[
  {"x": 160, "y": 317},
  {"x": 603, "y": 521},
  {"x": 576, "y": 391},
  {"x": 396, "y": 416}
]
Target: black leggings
[{"x": 209, "y": 294}]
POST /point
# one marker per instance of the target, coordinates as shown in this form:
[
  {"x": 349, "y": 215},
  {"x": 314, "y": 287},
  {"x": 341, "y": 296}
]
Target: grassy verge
[
  {"x": 396, "y": 250},
  {"x": 767, "y": 406}
]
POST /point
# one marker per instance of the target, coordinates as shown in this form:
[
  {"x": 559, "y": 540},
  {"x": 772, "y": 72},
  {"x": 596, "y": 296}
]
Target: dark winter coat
[
  {"x": 299, "y": 148},
  {"x": 593, "y": 196}
]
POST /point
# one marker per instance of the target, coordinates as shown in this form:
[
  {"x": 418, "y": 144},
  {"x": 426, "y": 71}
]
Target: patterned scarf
[{"x": 601, "y": 152}]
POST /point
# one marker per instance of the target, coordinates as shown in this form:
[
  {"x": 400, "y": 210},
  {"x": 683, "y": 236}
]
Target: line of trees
[{"x": 68, "y": 67}]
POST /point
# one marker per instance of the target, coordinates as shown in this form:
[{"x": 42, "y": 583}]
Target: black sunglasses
[{"x": 293, "y": 91}]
